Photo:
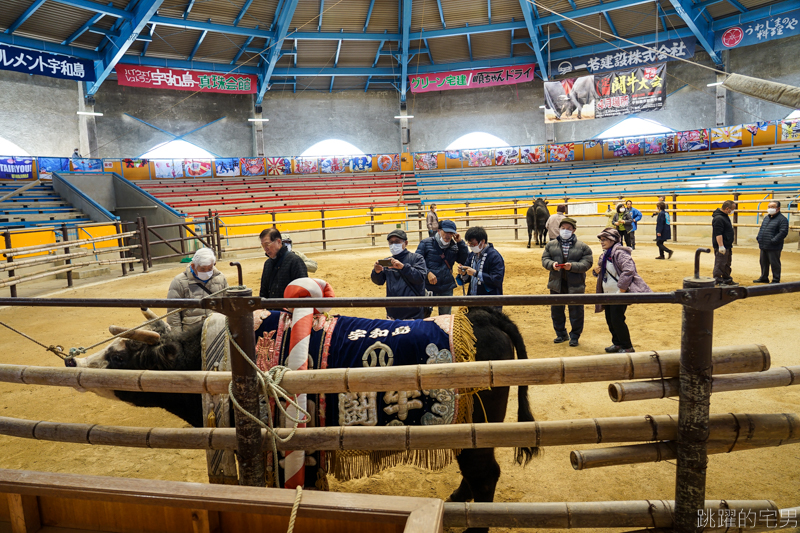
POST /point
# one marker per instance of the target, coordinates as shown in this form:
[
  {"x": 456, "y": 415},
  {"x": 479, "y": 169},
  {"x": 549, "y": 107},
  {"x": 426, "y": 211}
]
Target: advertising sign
[
  {"x": 45, "y": 64},
  {"x": 185, "y": 80},
  {"x": 470, "y": 79},
  {"x": 758, "y": 31}
]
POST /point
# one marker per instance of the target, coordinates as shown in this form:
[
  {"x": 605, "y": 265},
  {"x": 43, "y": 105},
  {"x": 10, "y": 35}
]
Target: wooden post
[
  {"x": 141, "y": 227},
  {"x": 24, "y": 511},
  {"x": 182, "y": 235},
  {"x": 372, "y": 225},
  {"x": 252, "y": 468},
  {"x": 466, "y": 204},
  {"x": 65, "y": 236},
  {"x": 674, "y": 217},
  {"x": 218, "y": 235},
  {"x": 736, "y": 219},
  {"x": 516, "y": 230},
  {"x": 566, "y": 205},
  {"x": 420, "y": 215},
  {"x": 273, "y": 220},
  {"x": 693, "y": 410},
  {"x": 322, "y": 217},
  {"x": 121, "y": 244},
  {"x": 7, "y": 238}
]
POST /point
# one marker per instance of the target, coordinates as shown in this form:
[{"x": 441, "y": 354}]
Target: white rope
[
  {"x": 269, "y": 383},
  {"x": 295, "y": 507}
]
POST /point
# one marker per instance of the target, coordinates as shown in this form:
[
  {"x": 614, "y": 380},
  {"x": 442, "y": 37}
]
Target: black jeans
[
  {"x": 558, "y": 314},
  {"x": 662, "y": 248},
  {"x": 722, "y": 266},
  {"x": 615, "y": 318},
  {"x": 630, "y": 239},
  {"x": 771, "y": 258}
]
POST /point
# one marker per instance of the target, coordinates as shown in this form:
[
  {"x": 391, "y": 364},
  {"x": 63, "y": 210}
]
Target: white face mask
[
  {"x": 621, "y": 210},
  {"x": 565, "y": 234},
  {"x": 395, "y": 248},
  {"x": 772, "y": 210},
  {"x": 204, "y": 275},
  {"x": 475, "y": 249}
]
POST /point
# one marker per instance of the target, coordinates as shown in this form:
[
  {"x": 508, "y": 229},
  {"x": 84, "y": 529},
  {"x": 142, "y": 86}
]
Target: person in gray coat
[
  {"x": 200, "y": 279},
  {"x": 774, "y": 229},
  {"x": 568, "y": 260}
]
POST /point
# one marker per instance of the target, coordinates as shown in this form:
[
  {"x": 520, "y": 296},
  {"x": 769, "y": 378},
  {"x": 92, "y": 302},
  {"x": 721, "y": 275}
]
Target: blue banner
[
  {"x": 758, "y": 31},
  {"x": 16, "y": 168},
  {"x": 632, "y": 57},
  {"x": 45, "y": 64}
]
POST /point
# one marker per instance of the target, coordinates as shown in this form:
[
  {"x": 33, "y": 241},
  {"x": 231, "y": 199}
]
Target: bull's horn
[
  {"x": 149, "y": 315},
  {"x": 142, "y": 335}
]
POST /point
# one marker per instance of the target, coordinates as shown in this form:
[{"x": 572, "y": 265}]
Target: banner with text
[
  {"x": 470, "y": 79},
  {"x": 185, "y": 80},
  {"x": 45, "y": 64},
  {"x": 633, "y": 57},
  {"x": 16, "y": 168},
  {"x": 612, "y": 94},
  {"x": 758, "y": 31}
]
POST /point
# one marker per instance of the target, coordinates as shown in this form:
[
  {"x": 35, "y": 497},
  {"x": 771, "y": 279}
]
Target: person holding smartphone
[
  {"x": 404, "y": 275},
  {"x": 568, "y": 260}
]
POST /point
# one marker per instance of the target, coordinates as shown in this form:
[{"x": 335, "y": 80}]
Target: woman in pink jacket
[{"x": 616, "y": 272}]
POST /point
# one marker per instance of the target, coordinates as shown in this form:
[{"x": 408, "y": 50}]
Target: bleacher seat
[{"x": 38, "y": 206}]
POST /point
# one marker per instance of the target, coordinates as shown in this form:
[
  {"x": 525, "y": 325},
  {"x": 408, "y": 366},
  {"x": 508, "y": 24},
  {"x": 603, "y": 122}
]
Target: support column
[
  {"x": 405, "y": 132},
  {"x": 693, "y": 410},
  {"x": 550, "y": 132},
  {"x": 258, "y": 131},
  {"x": 722, "y": 114},
  {"x": 87, "y": 127}
]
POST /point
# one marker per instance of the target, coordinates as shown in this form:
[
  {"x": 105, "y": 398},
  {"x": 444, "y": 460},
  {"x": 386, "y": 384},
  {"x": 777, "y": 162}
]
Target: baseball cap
[
  {"x": 397, "y": 233},
  {"x": 448, "y": 225}
]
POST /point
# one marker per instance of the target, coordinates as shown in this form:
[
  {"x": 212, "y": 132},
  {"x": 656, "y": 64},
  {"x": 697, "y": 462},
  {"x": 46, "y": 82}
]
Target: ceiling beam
[
  {"x": 701, "y": 29},
  {"x": 84, "y": 27},
  {"x": 115, "y": 48},
  {"x": 369, "y": 14},
  {"x": 321, "y": 11},
  {"x": 441, "y": 13},
  {"x": 755, "y": 14},
  {"x": 405, "y": 30},
  {"x": 564, "y": 34},
  {"x": 274, "y": 53},
  {"x": 336, "y": 63},
  {"x": 97, "y": 8},
  {"x": 188, "y": 9},
  {"x": 213, "y": 27},
  {"x": 147, "y": 43},
  {"x": 242, "y": 49},
  {"x": 469, "y": 44},
  {"x": 428, "y": 50},
  {"x": 242, "y": 11},
  {"x": 25, "y": 16},
  {"x": 533, "y": 32},
  {"x": 224, "y": 68},
  {"x": 197, "y": 45},
  {"x": 44, "y": 46},
  {"x": 489, "y": 9}
]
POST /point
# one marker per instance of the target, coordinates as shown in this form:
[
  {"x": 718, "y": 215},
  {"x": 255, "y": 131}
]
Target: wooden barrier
[{"x": 553, "y": 371}]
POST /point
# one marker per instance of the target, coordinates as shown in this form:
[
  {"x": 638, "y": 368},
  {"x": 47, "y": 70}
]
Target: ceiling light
[
  {"x": 258, "y": 120},
  {"x": 541, "y": 107},
  {"x": 404, "y": 116},
  {"x": 715, "y": 84},
  {"x": 90, "y": 114}
]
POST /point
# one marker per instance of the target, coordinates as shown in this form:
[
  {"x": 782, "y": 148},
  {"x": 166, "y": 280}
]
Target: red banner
[
  {"x": 470, "y": 79},
  {"x": 185, "y": 80}
]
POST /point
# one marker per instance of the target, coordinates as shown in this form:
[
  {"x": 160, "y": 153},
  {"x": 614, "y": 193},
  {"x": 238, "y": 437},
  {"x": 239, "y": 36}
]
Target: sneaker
[
  {"x": 573, "y": 342},
  {"x": 613, "y": 349},
  {"x": 730, "y": 283},
  {"x": 759, "y": 280},
  {"x": 775, "y": 281},
  {"x": 559, "y": 340},
  {"x": 659, "y": 257},
  {"x": 669, "y": 254},
  {"x": 626, "y": 350}
]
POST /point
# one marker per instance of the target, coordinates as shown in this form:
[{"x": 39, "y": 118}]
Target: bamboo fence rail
[
  {"x": 553, "y": 371},
  {"x": 594, "y": 515},
  {"x": 72, "y": 255},
  {"x": 24, "y": 250},
  {"x": 784, "y": 376},
  {"x": 654, "y": 452},
  {"x": 722, "y": 427}
]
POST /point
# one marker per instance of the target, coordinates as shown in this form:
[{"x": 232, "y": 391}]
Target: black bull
[
  {"x": 536, "y": 218},
  {"x": 497, "y": 338}
]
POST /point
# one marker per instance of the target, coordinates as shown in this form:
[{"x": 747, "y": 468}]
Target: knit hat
[
  {"x": 397, "y": 233},
  {"x": 204, "y": 257},
  {"x": 611, "y": 234},
  {"x": 571, "y": 221}
]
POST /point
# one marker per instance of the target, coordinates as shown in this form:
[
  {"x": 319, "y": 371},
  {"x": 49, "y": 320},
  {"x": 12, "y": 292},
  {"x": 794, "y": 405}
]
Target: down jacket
[
  {"x": 580, "y": 255},
  {"x": 441, "y": 262},
  {"x": 408, "y": 281},
  {"x": 278, "y": 273},
  {"x": 772, "y": 232},
  {"x": 492, "y": 274},
  {"x": 185, "y": 285}
]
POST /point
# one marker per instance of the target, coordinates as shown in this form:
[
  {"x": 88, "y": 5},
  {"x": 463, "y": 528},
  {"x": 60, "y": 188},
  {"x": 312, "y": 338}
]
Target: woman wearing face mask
[
  {"x": 622, "y": 222},
  {"x": 405, "y": 276},
  {"x": 567, "y": 259},
  {"x": 200, "y": 279},
  {"x": 616, "y": 272},
  {"x": 484, "y": 268}
]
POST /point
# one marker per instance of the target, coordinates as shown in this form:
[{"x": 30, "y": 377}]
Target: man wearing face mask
[
  {"x": 774, "y": 229},
  {"x": 568, "y": 260},
  {"x": 441, "y": 252},
  {"x": 722, "y": 240},
  {"x": 200, "y": 279},
  {"x": 432, "y": 221},
  {"x": 405, "y": 276},
  {"x": 484, "y": 268}
]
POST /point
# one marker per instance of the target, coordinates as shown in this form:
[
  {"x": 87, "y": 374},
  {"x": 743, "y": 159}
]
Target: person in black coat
[
  {"x": 441, "y": 253},
  {"x": 722, "y": 241},
  {"x": 281, "y": 267},
  {"x": 406, "y": 276},
  {"x": 774, "y": 229},
  {"x": 663, "y": 231},
  {"x": 484, "y": 269}
]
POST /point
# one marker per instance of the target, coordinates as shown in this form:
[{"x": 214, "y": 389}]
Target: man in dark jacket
[
  {"x": 568, "y": 260},
  {"x": 405, "y": 276},
  {"x": 773, "y": 230},
  {"x": 281, "y": 267},
  {"x": 484, "y": 268},
  {"x": 722, "y": 240},
  {"x": 441, "y": 253}
]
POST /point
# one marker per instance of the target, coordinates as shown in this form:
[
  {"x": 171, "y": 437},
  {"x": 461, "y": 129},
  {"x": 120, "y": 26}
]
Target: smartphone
[
  {"x": 560, "y": 265},
  {"x": 385, "y": 262}
]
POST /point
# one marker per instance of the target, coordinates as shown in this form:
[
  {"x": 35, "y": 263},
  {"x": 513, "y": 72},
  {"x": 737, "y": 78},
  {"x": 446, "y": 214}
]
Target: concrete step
[{"x": 86, "y": 273}]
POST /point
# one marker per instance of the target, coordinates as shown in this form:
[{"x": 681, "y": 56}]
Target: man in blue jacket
[
  {"x": 484, "y": 268},
  {"x": 636, "y": 216},
  {"x": 441, "y": 252},
  {"x": 405, "y": 276},
  {"x": 774, "y": 229}
]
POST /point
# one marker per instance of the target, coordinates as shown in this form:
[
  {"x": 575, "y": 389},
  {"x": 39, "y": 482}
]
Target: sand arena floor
[{"x": 772, "y": 473}]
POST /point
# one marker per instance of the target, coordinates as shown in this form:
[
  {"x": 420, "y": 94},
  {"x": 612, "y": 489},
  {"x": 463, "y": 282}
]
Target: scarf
[
  {"x": 443, "y": 245},
  {"x": 605, "y": 259},
  {"x": 478, "y": 266}
]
